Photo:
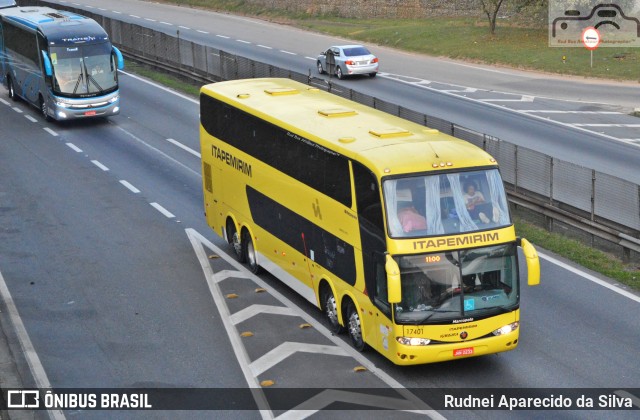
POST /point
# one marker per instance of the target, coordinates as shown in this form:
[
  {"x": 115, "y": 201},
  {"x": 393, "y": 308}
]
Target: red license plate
[
  {"x": 90, "y": 113},
  {"x": 467, "y": 351}
]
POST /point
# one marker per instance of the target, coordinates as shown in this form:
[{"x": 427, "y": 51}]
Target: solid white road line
[
  {"x": 185, "y": 148},
  {"x": 74, "y": 147},
  {"x": 129, "y": 186},
  {"x": 35, "y": 365},
  {"x": 551, "y": 111},
  {"x": 100, "y": 165},
  {"x": 162, "y": 210},
  {"x": 589, "y": 277}
]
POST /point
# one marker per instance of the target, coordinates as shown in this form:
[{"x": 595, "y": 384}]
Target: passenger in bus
[
  {"x": 475, "y": 202},
  {"x": 411, "y": 220}
]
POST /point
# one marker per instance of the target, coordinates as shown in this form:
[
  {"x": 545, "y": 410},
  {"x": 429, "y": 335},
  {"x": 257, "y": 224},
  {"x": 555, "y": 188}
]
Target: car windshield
[
  {"x": 444, "y": 286},
  {"x": 445, "y": 204},
  {"x": 355, "y": 51},
  {"x": 7, "y": 3},
  {"x": 83, "y": 70}
]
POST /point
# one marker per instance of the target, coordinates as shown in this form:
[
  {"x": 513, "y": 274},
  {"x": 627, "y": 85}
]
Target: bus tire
[
  {"x": 249, "y": 251},
  {"x": 43, "y": 110},
  {"x": 330, "y": 308},
  {"x": 233, "y": 238},
  {"x": 12, "y": 90},
  {"x": 354, "y": 326}
]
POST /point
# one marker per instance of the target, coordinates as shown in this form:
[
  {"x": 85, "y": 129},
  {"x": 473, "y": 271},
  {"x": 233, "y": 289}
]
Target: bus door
[{"x": 211, "y": 177}]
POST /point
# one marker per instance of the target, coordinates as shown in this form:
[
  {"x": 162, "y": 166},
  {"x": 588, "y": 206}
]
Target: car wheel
[
  {"x": 12, "y": 90},
  {"x": 339, "y": 73},
  {"x": 320, "y": 69}
]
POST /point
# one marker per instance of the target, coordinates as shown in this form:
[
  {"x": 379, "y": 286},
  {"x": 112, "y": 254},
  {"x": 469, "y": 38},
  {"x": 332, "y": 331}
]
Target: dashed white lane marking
[
  {"x": 100, "y": 165},
  {"x": 162, "y": 210},
  {"x": 185, "y": 148},
  {"x": 202, "y": 32},
  {"x": 130, "y": 187},
  {"x": 311, "y": 58},
  {"x": 150, "y": 20},
  {"x": 135, "y": 16},
  {"x": 223, "y": 36},
  {"x": 264, "y": 46},
  {"x": 30, "y": 118},
  {"x": 4, "y": 102},
  {"x": 524, "y": 98},
  {"x": 35, "y": 365},
  {"x": 242, "y": 41},
  {"x": 117, "y": 12},
  {"x": 167, "y": 23},
  {"x": 50, "y": 131},
  {"x": 184, "y": 27},
  {"x": 74, "y": 147},
  {"x": 288, "y": 52},
  {"x": 18, "y": 110}
]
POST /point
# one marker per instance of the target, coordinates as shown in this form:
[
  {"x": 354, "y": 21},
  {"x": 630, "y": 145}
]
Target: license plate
[
  {"x": 467, "y": 351},
  {"x": 90, "y": 113}
]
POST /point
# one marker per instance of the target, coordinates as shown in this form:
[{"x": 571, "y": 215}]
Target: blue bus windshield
[{"x": 83, "y": 70}]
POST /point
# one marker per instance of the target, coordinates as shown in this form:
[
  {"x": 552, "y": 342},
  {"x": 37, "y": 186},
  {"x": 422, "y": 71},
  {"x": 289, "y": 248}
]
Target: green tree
[{"x": 491, "y": 8}]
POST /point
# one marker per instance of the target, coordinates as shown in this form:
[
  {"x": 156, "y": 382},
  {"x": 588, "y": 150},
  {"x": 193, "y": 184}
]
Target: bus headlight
[
  {"x": 413, "y": 341},
  {"x": 114, "y": 99},
  {"x": 62, "y": 104},
  {"x": 506, "y": 329}
]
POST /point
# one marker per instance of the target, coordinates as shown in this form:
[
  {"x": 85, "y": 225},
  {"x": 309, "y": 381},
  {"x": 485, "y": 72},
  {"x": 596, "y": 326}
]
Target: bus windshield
[
  {"x": 444, "y": 286},
  {"x": 445, "y": 204},
  {"x": 82, "y": 70}
]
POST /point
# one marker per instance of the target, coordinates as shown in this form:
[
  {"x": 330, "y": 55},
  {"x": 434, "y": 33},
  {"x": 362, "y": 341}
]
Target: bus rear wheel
[
  {"x": 233, "y": 238},
  {"x": 330, "y": 306},
  {"x": 249, "y": 251},
  {"x": 354, "y": 326},
  {"x": 12, "y": 90}
]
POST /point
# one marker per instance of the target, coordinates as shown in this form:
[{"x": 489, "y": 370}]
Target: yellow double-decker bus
[{"x": 401, "y": 234}]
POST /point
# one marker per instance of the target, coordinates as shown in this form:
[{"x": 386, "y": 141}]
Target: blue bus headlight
[
  {"x": 413, "y": 341},
  {"x": 506, "y": 329}
]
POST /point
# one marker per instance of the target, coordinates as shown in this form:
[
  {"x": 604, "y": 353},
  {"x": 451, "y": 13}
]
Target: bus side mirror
[
  {"x": 533, "y": 263},
  {"x": 48, "y": 69},
  {"x": 119, "y": 58},
  {"x": 394, "y": 287}
]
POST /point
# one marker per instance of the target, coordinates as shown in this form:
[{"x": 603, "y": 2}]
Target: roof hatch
[
  {"x": 337, "y": 112},
  {"x": 389, "y": 132}
]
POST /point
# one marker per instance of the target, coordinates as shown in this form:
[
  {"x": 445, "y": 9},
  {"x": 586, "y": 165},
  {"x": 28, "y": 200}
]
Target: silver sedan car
[{"x": 347, "y": 60}]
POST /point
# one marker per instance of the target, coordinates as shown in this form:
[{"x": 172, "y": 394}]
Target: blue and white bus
[{"x": 60, "y": 62}]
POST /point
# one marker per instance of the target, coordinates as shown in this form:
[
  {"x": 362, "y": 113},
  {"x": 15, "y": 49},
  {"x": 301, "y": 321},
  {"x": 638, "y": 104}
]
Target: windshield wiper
[
  {"x": 90, "y": 77},
  {"x": 425, "y": 319},
  {"x": 75, "y": 89}
]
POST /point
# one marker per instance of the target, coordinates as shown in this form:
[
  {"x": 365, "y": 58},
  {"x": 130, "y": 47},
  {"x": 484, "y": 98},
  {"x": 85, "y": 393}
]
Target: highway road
[
  {"x": 585, "y": 123},
  {"x": 105, "y": 253}
]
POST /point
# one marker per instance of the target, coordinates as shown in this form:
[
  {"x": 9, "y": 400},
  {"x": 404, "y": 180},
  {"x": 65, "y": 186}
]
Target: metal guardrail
[{"x": 597, "y": 204}]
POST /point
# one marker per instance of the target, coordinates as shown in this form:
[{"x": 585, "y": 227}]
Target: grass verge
[
  {"x": 513, "y": 45},
  {"x": 573, "y": 250}
]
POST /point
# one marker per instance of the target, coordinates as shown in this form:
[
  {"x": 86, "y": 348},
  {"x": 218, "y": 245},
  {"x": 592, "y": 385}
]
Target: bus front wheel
[
  {"x": 233, "y": 238},
  {"x": 43, "y": 109},
  {"x": 355, "y": 327},
  {"x": 249, "y": 251}
]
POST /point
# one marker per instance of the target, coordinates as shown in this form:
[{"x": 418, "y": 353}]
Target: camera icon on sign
[{"x": 609, "y": 18}]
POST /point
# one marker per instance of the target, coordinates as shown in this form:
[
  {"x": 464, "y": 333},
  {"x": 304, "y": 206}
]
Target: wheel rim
[
  {"x": 43, "y": 108},
  {"x": 320, "y": 68},
  {"x": 12, "y": 93},
  {"x": 339, "y": 73},
  {"x": 251, "y": 253},
  {"x": 355, "y": 329},
  {"x": 237, "y": 246},
  {"x": 331, "y": 309}
]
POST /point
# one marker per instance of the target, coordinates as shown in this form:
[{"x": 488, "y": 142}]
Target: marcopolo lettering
[
  {"x": 226, "y": 157},
  {"x": 456, "y": 241}
]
